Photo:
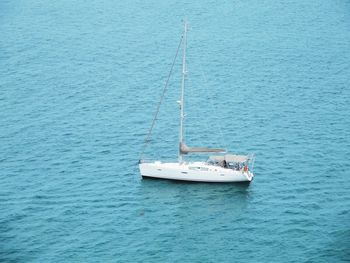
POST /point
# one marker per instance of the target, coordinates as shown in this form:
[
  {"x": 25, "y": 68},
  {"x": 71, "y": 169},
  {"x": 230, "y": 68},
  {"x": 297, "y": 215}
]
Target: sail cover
[{"x": 184, "y": 149}]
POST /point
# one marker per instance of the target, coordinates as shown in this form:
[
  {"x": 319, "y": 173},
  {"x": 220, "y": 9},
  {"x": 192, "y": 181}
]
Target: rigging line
[{"x": 147, "y": 139}]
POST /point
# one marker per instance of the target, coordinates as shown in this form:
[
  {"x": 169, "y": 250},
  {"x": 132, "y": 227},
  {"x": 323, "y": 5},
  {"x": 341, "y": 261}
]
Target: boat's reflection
[{"x": 196, "y": 201}]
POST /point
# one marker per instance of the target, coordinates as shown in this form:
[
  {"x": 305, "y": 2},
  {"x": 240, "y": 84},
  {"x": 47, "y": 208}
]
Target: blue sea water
[{"x": 79, "y": 83}]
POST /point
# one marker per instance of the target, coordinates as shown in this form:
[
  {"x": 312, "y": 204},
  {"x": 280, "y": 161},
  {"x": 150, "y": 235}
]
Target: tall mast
[{"x": 182, "y": 115}]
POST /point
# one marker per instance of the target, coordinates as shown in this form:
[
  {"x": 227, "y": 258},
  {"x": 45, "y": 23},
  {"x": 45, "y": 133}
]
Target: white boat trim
[{"x": 194, "y": 171}]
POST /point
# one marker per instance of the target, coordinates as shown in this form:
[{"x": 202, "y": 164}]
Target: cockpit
[{"x": 229, "y": 161}]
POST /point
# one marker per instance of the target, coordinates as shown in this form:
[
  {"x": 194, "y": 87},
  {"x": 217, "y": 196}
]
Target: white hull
[{"x": 196, "y": 172}]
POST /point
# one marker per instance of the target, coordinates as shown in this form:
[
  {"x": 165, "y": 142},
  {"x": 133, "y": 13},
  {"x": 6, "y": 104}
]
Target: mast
[{"x": 182, "y": 115}]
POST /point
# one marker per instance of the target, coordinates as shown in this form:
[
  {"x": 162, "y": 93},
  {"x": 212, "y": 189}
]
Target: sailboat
[{"x": 220, "y": 168}]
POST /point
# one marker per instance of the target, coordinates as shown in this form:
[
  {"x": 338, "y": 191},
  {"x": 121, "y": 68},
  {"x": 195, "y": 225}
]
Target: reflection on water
[{"x": 195, "y": 201}]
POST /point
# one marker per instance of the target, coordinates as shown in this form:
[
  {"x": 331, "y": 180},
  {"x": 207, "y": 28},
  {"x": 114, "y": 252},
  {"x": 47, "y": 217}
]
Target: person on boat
[
  {"x": 245, "y": 168},
  {"x": 224, "y": 164},
  {"x": 237, "y": 166}
]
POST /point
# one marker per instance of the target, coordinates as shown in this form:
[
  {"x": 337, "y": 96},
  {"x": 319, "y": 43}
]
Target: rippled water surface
[{"x": 79, "y": 83}]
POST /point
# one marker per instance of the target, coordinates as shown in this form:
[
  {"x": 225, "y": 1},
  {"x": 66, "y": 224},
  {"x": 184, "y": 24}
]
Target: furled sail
[{"x": 184, "y": 149}]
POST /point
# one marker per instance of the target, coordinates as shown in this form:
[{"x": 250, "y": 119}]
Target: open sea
[{"x": 79, "y": 85}]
